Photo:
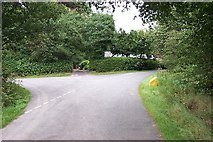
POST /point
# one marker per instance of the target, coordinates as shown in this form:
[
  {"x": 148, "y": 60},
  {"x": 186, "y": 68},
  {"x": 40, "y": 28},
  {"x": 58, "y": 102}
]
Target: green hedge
[
  {"x": 42, "y": 68},
  {"x": 122, "y": 63},
  {"x": 21, "y": 66},
  {"x": 24, "y": 69}
]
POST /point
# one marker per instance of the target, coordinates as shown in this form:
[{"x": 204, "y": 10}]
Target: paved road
[{"x": 86, "y": 107}]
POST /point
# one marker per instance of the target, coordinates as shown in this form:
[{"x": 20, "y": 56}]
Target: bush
[
  {"x": 12, "y": 94},
  {"x": 20, "y": 65},
  {"x": 25, "y": 69},
  {"x": 122, "y": 63},
  {"x": 179, "y": 115},
  {"x": 150, "y": 64},
  {"x": 84, "y": 64},
  {"x": 14, "y": 101}
]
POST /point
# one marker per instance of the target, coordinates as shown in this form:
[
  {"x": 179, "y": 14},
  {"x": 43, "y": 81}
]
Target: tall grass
[{"x": 179, "y": 114}]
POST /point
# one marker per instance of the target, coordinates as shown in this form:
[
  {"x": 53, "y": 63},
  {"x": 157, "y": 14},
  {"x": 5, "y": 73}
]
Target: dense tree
[
  {"x": 140, "y": 43},
  {"x": 19, "y": 23},
  {"x": 121, "y": 43},
  {"x": 68, "y": 36},
  {"x": 98, "y": 33},
  {"x": 58, "y": 33},
  {"x": 90, "y": 34},
  {"x": 134, "y": 43},
  {"x": 184, "y": 41}
]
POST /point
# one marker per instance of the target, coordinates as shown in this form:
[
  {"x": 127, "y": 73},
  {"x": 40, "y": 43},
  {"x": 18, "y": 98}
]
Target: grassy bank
[
  {"x": 48, "y": 75},
  {"x": 9, "y": 113},
  {"x": 174, "y": 120},
  {"x": 113, "y": 72}
]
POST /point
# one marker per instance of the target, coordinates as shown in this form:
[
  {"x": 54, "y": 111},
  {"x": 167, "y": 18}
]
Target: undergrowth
[
  {"x": 179, "y": 114},
  {"x": 14, "y": 105}
]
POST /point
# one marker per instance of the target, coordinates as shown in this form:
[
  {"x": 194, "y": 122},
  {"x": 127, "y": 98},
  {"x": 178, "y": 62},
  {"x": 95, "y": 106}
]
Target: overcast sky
[{"x": 125, "y": 20}]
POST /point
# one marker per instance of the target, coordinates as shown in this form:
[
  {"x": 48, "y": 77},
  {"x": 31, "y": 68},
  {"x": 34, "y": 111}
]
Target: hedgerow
[
  {"x": 20, "y": 65},
  {"x": 123, "y": 63}
]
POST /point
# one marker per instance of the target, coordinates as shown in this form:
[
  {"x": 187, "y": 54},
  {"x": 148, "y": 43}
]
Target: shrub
[
  {"x": 84, "y": 64},
  {"x": 14, "y": 103},
  {"x": 122, "y": 63},
  {"x": 189, "y": 113},
  {"x": 20, "y": 65},
  {"x": 24, "y": 69},
  {"x": 11, "y": 94},
  {"x": 150, "y": 64}
]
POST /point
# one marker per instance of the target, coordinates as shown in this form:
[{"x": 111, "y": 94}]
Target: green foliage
[
  {"x": 11, "y": 95},
  {"x": 98, "y": 34},
  {"x": 60, "y": 37},
  {"x": 18, "y": 23},
  {"x": 181, "y": 55},
  {"x": 84, "y": 64},
  {"x": 26, "y": 68},
  {"x": 68, "y": 37},
  {"x": 184, "y": 42},
  {"x": 151, "y": 64},
  {"x": 133, "y": 43},
  {"x": 13, "y": 103},
  {"x": 188, "y": 118},
  {"x": 90, "y": 34},
  {"x": 19, "y": 65},
  {"x": 122, "y": 63},
  {"x": 43, "y": 68},
  {"x": 60, "y": 74}
]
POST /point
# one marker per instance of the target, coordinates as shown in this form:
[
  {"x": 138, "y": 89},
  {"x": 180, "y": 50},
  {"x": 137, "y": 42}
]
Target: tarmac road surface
[{"x": 84, "y": 107}]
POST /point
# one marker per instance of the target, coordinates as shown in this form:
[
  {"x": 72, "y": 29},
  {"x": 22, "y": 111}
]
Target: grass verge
[
  {"x": 113, "y": 72},
  {"x": 47, "y": 75},
  {"x": 173, "y": 119},
  {"x": 10, "y": 113}
]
